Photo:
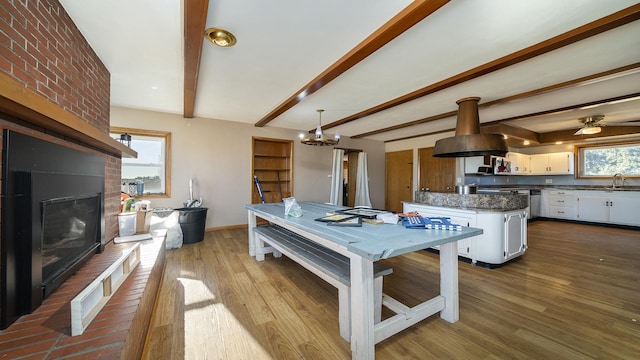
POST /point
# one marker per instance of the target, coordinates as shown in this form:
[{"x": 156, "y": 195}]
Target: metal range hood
[{"x": 468, "y": 140}]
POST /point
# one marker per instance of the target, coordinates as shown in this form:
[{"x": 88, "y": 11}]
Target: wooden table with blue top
[{"x": 363, "y": 246}]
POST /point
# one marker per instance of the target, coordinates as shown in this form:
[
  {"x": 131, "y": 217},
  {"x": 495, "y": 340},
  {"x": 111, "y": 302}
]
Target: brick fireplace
[
  {"x": 53, "y": 87},
  {"x": 50, "y": 74}
]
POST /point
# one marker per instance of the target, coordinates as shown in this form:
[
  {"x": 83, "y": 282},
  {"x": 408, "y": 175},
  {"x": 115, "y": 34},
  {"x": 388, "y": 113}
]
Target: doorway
[
  {"x": 349, "y": 174},
  {"x": 398, "y": 179}
]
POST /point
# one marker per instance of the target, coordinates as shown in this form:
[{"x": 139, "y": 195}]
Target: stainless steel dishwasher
[{"x": 534, "y": 203}]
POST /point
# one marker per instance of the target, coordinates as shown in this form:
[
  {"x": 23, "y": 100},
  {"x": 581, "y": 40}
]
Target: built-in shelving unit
[{"x": 272, "y": 163}]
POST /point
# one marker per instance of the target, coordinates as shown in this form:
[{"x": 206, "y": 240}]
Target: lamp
[
  {"x": 318, "y": 138},
  {"x": 220, "y": 37}
]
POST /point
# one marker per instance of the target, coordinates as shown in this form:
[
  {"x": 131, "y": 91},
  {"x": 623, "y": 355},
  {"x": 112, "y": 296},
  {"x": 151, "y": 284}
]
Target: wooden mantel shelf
[{"x": 25, "y": 104}]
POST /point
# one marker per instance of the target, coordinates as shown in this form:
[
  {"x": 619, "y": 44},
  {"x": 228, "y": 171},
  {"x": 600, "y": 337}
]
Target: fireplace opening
[
  {"x": 52, "y": 219},
  {"x": 69, "y": 233}
]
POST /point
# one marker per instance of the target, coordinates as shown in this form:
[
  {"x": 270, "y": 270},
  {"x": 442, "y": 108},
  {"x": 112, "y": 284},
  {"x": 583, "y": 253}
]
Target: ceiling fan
[{"x": 593, "y": 125}]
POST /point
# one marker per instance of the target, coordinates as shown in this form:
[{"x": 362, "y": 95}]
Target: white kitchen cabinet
[
  {"x": 515, "y": 230},
  {"x": 504, "y": 232},
  {"x": 544, "y": 203},
  {"x": 457, "y": 217},
  {"x": 624, "y": 209},
  {"x": 520, "y": 163},
  {"x": 592, "y": 207},
  {"x": 561, "y": 204},
  {"x": 619, "y": 207},
  {"x": 552, "y": 164}
]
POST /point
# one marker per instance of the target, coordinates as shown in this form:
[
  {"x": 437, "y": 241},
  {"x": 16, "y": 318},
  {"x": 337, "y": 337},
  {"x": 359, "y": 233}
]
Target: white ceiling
[{"x": 283, "y": 45}]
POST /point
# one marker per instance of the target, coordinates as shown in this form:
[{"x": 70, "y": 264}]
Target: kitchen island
[{"x": 503, "y": 217}]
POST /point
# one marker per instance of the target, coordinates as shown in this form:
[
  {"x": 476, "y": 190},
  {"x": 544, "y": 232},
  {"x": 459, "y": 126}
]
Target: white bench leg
[
  {"x": 344, "y": 312},
  {"x": 259, "y": 248},
  {"x": 262, "y": 248},
  {"x": 344, "y": 307},
  {"x": 252, "y": 224},
  {"x": 377, "y": 299}
]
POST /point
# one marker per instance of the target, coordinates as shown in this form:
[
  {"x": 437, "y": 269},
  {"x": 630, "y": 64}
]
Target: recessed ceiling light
[
  {"x": 526, "y": 142},
  {"x": 558, "y": 142},
  {"x": 220, "y": 37}
]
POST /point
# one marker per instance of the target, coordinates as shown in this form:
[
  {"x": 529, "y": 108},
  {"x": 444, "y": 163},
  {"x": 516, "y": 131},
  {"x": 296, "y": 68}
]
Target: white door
[{"x": 593, "y": 208}]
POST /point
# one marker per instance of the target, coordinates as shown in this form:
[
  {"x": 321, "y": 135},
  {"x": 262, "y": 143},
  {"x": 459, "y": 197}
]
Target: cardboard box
[{"x": 143, "y": 221}]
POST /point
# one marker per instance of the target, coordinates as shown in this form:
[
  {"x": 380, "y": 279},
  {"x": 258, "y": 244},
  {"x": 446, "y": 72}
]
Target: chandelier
[{"x": 318, "y": 139}]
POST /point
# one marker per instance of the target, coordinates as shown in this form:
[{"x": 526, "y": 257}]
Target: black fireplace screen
[
  {"x": 69, "y": 232},
  {"x": 51, "y": 218}
]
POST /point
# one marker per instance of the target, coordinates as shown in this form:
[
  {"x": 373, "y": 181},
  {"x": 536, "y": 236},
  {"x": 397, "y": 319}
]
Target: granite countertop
[
  {"x": 487, "y": 202},
  {"x": 562, "y": 187}
]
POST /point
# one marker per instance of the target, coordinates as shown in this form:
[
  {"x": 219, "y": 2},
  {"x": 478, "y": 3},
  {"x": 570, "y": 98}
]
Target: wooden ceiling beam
[
  {"x": 511, "y": 131},
  {"x": 411, "y": 123},
  {"x": 195, "y": 19},
  {"x": 546, "y": 89},
  {"x": 596, "y": 27},
  {"x": 409, "y": 16},
  {"x": 606, "y": 131},
  {"x": 539, "y": 113}
]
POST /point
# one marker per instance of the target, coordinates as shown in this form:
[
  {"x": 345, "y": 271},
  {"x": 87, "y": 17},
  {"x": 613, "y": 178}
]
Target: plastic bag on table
[
  {"x": 291, "y": 207},
  {"x": 169, "y": 220}
]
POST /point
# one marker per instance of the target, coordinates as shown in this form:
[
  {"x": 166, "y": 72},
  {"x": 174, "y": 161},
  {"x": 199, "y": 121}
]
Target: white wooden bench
[{"x": 332, "y": 267}]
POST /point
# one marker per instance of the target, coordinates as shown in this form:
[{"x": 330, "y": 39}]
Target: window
[
  {"x": 152, "y": 166},
  {"x": 604, "y": 160}
]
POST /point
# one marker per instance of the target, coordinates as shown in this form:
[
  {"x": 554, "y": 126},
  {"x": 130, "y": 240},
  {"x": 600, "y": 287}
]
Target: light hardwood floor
[{"x": 575, "y": 294}]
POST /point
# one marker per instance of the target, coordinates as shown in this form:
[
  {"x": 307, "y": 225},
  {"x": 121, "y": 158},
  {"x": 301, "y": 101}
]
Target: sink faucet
[{"x": 618, "y": 180}]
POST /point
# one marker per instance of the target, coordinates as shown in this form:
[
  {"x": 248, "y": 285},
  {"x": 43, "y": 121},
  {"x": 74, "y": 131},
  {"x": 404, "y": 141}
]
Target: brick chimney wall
[{"x": 41, "y": 47}]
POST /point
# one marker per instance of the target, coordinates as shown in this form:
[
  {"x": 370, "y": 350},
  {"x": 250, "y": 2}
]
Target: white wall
[{"x": 216, "y": 154}]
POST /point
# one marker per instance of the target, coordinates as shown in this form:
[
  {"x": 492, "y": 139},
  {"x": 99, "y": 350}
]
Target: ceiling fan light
[{"x": 591, "y": 130}]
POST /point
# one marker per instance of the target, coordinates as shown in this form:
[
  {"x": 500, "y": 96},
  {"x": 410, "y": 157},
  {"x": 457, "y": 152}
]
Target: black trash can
[{"x": 192, "y": 222}]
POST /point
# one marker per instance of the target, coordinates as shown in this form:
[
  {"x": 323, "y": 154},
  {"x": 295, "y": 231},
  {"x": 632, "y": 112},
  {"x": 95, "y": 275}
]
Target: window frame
[
  {"x": 579, "y": 154},
  {"x": 117, "y": 130}
]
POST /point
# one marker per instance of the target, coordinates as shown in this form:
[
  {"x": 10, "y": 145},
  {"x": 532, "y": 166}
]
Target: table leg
[
  {"x": 251, "y": 224},
  {"x": 449, "y": 281},
  {"x": 362, "y": 309}
]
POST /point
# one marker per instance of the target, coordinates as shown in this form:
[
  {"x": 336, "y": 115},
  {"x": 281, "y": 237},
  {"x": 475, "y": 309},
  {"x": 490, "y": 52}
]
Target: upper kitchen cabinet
[
  {"x": 520, "y": 163},
  {"x": 552, "y": 164}
]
